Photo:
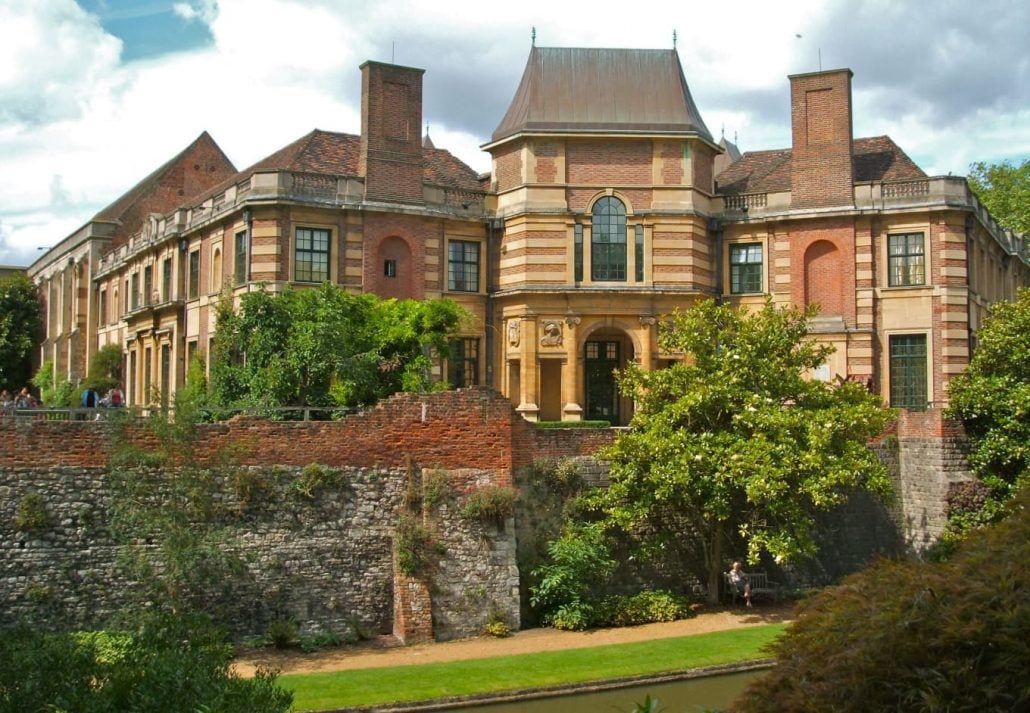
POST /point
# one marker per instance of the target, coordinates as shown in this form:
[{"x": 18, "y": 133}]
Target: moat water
[{"x": 687, "y": 696}]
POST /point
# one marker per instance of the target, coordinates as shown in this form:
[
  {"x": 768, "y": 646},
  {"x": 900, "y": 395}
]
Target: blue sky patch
[{"x": 148, "y": 28}]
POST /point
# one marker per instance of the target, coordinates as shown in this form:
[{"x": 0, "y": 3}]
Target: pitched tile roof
[
  {"x": 875, "y": 159},
  {"x": 146, "y": 196},
  {"x": 336, "y": 154},
  {"x": 567, "y": 89}
]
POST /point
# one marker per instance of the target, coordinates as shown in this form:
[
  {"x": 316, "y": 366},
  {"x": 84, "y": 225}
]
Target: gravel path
[{"x": 385, "y": 651}]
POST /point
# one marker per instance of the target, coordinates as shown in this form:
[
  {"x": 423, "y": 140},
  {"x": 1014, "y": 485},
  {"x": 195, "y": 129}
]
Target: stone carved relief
[
  {"x": 552, "y": 334},
  {"x": 513, "y": 332}
]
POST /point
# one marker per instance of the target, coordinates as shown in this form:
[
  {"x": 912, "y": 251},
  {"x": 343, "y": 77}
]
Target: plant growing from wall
[
  {"x": 415, "y": 546},
  {"x": 167, "y": 513},
  {"x": 32, "y": 513},
  {"x": 436, "y": 488},
  {"x": 313, "y": 478},
  {"x": 490, "y": 504}
]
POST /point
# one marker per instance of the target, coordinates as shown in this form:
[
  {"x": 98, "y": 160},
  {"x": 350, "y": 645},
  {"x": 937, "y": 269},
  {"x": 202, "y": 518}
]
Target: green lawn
[{"x": 322, "y": 691}]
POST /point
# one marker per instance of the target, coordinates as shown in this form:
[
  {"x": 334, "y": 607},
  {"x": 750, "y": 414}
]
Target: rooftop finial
[
  {"x": 674, "y": 39},
  {"x": 532, "y": 35},
  {"x": 722, "y": 130}
]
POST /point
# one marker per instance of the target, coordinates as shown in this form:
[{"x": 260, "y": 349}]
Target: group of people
[
  {"x": 23, "y": 399},
  {"x": 9, "y": 403}
]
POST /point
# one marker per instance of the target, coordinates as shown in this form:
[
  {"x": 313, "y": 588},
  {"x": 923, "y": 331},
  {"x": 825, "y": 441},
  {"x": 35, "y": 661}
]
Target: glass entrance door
[{"x": 602, "y": 395}]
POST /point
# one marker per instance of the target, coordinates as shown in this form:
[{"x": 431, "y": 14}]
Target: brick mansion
[{"x": 609, "y": 204}]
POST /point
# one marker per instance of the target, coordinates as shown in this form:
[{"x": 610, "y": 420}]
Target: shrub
[
  {"x": 913, "y": 636},
  {"x": 491, "y": 503},
  {"x": 321, "y": 640},
  {"x": 642, "y": 608},
  {"x": 282, "y": 633},
  {"x": 166, "y": 664},
  {"x": 500, "y": 629},
  {"x": 578, "y": 563}
]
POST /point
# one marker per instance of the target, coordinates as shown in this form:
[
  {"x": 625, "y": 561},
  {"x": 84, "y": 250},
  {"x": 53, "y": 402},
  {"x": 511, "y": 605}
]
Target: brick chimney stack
[
  {"x": 822, "y": 171},
  {"x": 391, "y": 132}
]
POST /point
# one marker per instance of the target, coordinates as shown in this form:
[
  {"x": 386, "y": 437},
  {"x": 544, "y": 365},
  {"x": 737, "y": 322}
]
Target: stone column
[
  {"x": 529, "y": 380},
  {"x": 572, "y": 409},
  {"x": 647, "y": 340}
]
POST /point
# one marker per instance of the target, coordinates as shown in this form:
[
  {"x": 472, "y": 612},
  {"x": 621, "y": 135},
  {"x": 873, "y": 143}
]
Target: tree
[
  {"x": 325, "y": 347},
  {"x": 105, "y": 368},
  {"x": 20, "y": 323},
  {"x": 1005, "y": 189},
  {"x": 735, "y": 441},
  {"x": 913, "y": 636},
  {"x": 992, "y": 398}
]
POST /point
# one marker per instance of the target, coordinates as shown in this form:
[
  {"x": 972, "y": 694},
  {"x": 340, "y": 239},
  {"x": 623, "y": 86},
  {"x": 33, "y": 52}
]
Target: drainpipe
[
  {"x": 715, "y": 228},
  {"x": 489, "y": 338}
]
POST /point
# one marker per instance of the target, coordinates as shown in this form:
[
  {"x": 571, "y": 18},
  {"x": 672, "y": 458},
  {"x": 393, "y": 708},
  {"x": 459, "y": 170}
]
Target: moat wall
[{"x": 327, "y": 559}]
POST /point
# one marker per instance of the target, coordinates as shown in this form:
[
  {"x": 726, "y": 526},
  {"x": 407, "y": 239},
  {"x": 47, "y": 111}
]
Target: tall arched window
[{"x": 608, "y": 240}]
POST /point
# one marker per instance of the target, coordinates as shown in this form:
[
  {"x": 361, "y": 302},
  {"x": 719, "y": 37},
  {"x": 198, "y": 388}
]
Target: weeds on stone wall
[
  {"x": 167, "y": 513},
  {"x": 314, "y": 477},
  {"x": 490, "y": 504},
  {"x": 436, "y": 488},
  {"x": 32, "y": 513},
  {"x": 415, "y": 546}
]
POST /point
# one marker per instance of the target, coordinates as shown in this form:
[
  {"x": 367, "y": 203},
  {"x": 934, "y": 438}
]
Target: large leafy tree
[
  {"x": 20, "y": 323},
  {"x": 1005, "y": 189},
  {"x": 736, "y": 443},
  {"x": 325, "y": 347},
  {"x": 992, "y": 398}
]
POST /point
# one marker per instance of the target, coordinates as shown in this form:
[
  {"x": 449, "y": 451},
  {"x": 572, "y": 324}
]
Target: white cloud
[
  {"x": 53, "y": 58},
  {"x": 78, "y": 126}
]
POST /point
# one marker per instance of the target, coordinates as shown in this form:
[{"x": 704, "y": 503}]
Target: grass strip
[{"x": 376, "y": 686}]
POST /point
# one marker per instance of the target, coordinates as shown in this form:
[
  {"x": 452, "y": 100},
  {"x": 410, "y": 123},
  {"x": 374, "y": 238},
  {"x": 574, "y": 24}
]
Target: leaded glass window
[
  {"x": 608, "y": 240},
  {"x": 311, "y": 256}
]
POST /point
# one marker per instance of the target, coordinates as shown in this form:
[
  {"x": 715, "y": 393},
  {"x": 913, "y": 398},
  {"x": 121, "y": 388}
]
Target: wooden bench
[{"x": 760, "y": 586}]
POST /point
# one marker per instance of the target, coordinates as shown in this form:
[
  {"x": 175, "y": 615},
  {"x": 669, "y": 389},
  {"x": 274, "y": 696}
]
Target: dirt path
[{"x": 385, "y": 651}]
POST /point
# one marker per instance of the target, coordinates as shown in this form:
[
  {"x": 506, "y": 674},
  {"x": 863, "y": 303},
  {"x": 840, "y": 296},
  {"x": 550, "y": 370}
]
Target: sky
[{"x": 96, "y": 94}]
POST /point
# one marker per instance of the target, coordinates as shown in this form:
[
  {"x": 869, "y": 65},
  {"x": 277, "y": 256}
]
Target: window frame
[
  {"x": 311, "y": 273},
  {"x": 193, "y": 274},
  {"x": 746, "y": 276},
  {"x": 463, "y": 362},
  {"x": 240, "y": 259},
  {"x": 901, "y": 265},
  {"x": 609, "y": 259},
  {"x": 908, "y": 373},
  {"x": 464, "y": 265}
]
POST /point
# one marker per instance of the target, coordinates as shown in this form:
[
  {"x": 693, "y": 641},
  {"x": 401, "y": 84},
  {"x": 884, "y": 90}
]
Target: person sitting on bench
[{"x": 739, "y": 582}]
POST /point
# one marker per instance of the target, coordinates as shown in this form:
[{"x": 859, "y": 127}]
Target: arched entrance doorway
[{"x": 605, "y": 352}]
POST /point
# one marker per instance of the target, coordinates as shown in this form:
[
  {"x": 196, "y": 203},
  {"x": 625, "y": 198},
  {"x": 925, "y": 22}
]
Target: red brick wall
[
  {"x": 671, "y": 155},
  {"x": 546, "y": 166},
  {"x": 609, "y": 163},
  {"x": 202, "y": 167},
  {"x": 819, "y": 276},
  {"x": 821, "y": 164},
  {"x": 382, "y": 232},
  {"x": 509, "y": 167},
  {"x": 391, "y": 132},
  {"x": 471, "y": 428}
]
